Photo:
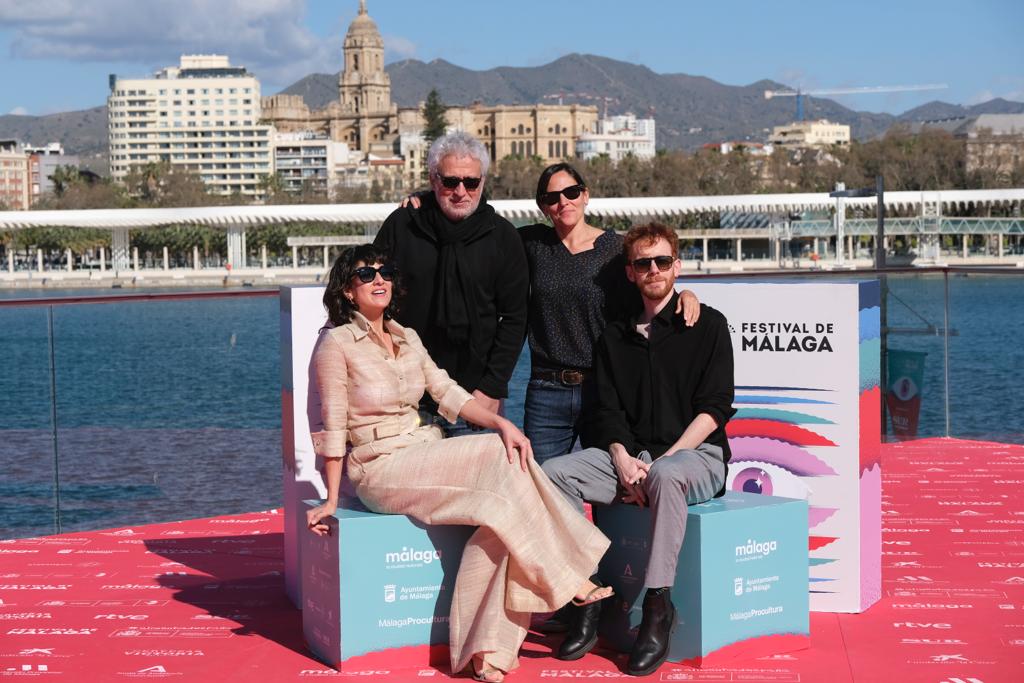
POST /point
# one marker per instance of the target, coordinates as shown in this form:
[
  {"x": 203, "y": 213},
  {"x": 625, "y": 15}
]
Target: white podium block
[
  {"x": 302, "y": 316},
  {"x": 808, "y": 425}
]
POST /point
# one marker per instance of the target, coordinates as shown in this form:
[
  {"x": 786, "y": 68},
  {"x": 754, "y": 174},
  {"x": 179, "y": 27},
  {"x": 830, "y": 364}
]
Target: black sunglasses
[
  {"x": 369, "y": 273},
  {"x": 642, "y": 265},
  {"x": 551, "y": 198},
  {"x": 452, "y": 181}
]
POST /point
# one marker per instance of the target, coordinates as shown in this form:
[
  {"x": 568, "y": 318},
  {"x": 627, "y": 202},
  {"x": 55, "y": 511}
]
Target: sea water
[{"x": 171, "y": 409}]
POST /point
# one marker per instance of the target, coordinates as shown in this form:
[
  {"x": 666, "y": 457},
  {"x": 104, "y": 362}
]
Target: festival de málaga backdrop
[
  {"x": 807, "y": 426},
  {"x": 808, "y": 419}
]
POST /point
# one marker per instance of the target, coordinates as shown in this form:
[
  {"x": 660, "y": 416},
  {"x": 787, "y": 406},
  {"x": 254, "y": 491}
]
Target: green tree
[
  {"x": 516, "y": 178},
  {"x": 73, "y": 190},
  {"x": 161, "y": 184},
  {"x": 64, "y": 177},
  {"x": 434, "y": 120}
]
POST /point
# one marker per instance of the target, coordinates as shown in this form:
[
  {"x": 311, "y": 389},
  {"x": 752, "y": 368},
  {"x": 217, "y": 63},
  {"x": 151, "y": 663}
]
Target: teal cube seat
[
  {"x": 741, "y": 587},
  {"x": 378, "y": 589}
]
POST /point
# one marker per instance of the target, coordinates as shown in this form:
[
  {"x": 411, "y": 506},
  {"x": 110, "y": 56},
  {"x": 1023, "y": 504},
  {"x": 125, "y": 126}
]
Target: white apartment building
[
  {"x": 310, "y": 159},
  {"x": 618, "y": 137},
  {"x": 820, "y": 133},
  {"x": 202, "y": 115}
]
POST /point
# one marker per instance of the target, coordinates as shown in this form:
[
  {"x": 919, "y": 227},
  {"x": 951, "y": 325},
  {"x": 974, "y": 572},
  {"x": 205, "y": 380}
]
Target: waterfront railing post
[
  {"x": 883, "y": 307},
  {"x": 945, "y": 345},
  {"x": 53, "y": 421}
]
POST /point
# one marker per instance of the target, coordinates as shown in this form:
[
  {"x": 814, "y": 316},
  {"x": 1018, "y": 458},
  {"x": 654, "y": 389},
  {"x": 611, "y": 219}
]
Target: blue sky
[{"x": 55, "y": 55}]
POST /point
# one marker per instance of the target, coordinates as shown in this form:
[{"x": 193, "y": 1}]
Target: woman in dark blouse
[{"x": 577, "y": 285}]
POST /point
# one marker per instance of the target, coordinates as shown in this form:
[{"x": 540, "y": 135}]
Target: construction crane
[
  {"x": 561, "y": 95},
  {"x": 800, "y": 94}
]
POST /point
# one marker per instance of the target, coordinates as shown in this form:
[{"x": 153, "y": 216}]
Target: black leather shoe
[
  {"x": 582, "y": 633},
  {"x": 558, "y": 622},
  {"x": 652, "y": 642}
]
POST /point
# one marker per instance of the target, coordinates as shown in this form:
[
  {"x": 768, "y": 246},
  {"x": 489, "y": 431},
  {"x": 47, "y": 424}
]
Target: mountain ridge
[{"x": 690, "y": 110}]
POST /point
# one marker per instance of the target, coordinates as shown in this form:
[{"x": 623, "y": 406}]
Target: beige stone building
[
  {"x": 363, "y": 116},
  {"x": 14, "y": 176},
  {"x": 548, "y": 131},
  {"x": 390, "y": 139},
  {"x": 994, "y": 142},
  {"x": 820, "y": 133}
]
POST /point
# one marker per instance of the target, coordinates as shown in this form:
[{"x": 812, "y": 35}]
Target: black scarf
[{"x": 456, "y": 291}]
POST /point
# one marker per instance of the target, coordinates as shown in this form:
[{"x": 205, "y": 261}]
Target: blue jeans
[
  {"x": 428, "y": 413},
  {"x": 554, "y": 414},
  {"x": 460, "y": 428}
]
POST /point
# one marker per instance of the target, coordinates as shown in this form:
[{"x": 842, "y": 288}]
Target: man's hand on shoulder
[{"x": 414, "y": 200}]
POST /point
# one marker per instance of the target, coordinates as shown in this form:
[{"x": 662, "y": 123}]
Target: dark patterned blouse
[{"x": 573, "y": 297}]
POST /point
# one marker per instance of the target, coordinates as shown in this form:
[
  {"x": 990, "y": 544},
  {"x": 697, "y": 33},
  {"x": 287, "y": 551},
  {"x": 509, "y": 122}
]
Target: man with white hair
[{"x": 465, "y": 273}]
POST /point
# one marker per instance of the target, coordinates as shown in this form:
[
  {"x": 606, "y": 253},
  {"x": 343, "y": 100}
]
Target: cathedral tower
[{"x": 365, "y": 86}]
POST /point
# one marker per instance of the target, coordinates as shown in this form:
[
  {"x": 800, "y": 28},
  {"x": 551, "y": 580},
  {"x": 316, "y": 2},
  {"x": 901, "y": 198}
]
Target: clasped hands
[{"x": 632, "y": 472}]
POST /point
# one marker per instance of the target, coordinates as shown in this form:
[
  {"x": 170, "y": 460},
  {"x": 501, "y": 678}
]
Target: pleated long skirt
[{"x": 531, "y": 552}]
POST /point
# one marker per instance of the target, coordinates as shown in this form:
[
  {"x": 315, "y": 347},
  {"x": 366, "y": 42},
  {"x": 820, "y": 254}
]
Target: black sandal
[{"x": 589, "y": 599}]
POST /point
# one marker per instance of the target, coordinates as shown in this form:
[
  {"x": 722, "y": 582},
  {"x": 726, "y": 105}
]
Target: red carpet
[{"x": 203, "y": 600}]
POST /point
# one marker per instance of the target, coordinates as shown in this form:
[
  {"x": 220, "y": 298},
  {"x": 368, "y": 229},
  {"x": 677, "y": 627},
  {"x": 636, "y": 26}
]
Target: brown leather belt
[{"x": 567, "y": 377}]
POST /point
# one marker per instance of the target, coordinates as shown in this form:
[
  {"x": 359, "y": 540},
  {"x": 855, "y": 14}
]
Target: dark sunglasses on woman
[
  {"x": 369, "y": 273},
  {"x": 571, "y": 192},
  {"x": 642, "y": 265}
]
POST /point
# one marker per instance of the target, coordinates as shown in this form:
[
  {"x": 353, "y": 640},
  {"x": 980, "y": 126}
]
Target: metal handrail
[
  {"x": 859, "y": 273},
  {"x": 132, "y": 298}
]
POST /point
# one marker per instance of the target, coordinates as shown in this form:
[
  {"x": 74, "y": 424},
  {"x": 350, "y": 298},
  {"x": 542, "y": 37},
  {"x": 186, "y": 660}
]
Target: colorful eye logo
[
  {"x": 769, "y": 455},
  {"x": 769, "y": 480}
]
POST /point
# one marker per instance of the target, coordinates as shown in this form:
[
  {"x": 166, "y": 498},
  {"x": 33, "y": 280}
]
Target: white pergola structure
[{"x": 235, "y": 219}]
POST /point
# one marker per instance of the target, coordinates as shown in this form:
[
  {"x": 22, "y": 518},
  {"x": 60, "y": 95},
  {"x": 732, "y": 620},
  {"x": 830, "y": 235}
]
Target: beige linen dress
[{"x": 531, "y": 552}]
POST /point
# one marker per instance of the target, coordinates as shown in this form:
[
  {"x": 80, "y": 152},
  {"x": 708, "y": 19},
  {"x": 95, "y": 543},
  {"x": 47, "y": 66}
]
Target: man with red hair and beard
[{"x": 658, "y": 438}]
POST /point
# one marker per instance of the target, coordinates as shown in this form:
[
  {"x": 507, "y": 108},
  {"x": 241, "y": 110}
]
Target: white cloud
[
  {"x": 397, "y": 47},
  {"x": 1004, "y": 86},
  {"x": 979, "y": 97},
  {"x": 266, "y": 36},
  {"x": 795, "y": 77},
  {"x": 19, "y": 111},
  {"x": 986, "y": 95}
]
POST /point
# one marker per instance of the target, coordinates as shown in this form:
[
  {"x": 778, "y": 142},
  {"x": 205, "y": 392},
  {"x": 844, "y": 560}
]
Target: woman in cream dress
[{"x": 531, "y": 553}]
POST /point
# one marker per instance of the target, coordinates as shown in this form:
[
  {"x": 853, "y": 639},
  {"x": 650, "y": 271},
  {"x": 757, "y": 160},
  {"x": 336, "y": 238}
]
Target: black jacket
[
  {"x": 650, "y": 391},
  {"x": 496, "y": 263}
]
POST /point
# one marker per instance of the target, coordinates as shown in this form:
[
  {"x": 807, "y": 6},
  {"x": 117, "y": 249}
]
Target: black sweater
[
  {"x": 496, "y": 264},
  {"x": 650, "y": 391}
]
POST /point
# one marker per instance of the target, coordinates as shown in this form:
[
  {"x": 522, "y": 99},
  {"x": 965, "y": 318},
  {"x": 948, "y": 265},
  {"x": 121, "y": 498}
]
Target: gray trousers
[{"x": 685, "y": 477}]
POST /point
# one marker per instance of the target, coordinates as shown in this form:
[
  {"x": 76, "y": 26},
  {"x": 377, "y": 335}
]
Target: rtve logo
[
  {"x": 122, "y": 617},
  {"x": 917, "y": 624},
  {"x": 950, "y": 658}
]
